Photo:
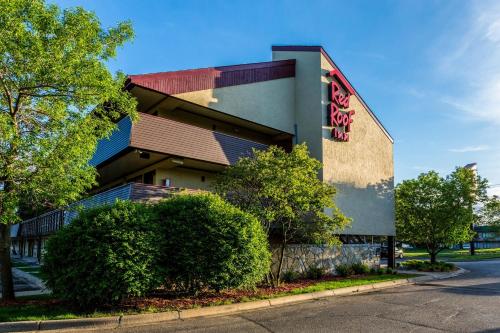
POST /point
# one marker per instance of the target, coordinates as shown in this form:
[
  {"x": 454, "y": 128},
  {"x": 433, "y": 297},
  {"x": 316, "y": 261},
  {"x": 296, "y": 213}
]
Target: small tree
[
  {"x": 57, "y": 99},
  {"x": 437, "y": 212},
  {"x": 284, "y": 192}
]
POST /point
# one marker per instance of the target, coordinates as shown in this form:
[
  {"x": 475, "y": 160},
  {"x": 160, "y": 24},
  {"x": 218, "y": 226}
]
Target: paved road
[{"x": 468, "y": 303}]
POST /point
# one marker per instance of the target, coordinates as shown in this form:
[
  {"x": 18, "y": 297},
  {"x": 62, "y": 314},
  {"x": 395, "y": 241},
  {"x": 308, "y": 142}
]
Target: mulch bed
[
  {"x": 165, "y": 300},
  {"x": 22, "y": 301}
]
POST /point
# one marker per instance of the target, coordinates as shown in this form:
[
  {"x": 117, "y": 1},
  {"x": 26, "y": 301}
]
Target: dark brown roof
[
  {"x": 161, "y": 135},
  {"x": 177, "y": 82}
]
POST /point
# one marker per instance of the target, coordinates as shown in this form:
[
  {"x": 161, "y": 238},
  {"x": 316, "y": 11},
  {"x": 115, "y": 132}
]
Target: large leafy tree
[
  {"x": 284, "y": 192},
  {"x": 438, "y": 212},
  {"x": 57, "y": 99}
]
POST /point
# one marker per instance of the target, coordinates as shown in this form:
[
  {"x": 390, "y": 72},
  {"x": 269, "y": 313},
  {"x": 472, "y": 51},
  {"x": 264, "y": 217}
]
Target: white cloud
[
  {"x": 472, "y": 63},
  {"x": 495, "y": 190},
  {"x": 469, "y": 149},
  {"x": 493, "y": 32},
  {"x": 418, "y": 93}
]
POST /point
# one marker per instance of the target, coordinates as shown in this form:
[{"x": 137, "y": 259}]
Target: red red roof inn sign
[{"x": 339, "y": 93}]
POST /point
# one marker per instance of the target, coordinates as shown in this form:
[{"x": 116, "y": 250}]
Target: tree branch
[{"x": 7, "y": 94}]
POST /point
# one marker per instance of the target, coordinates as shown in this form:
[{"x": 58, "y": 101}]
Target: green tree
[
  {"x": 284, "y": 192},
  {"x": 437, "y": 212},
  {"x": 489, "y": 213},
  {"x": 57, "y": 99}
]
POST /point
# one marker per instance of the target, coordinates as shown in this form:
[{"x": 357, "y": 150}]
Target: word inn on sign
[{"x": 339, "y": 120}]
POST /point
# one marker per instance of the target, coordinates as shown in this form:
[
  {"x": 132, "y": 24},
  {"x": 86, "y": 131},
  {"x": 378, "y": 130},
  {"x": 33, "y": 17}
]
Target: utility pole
[{"x": 473, "y": 167}]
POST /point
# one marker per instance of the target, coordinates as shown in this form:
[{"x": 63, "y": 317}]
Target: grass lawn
[
  {"x": 347, "y": 282},
  {"x": 454, "y": 255},
  {"x": 31, "y": 269},
  {"x": 44, "y": 307}
]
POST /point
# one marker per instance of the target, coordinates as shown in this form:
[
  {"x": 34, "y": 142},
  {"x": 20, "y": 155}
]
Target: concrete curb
[{"x": 150, "y": 318}]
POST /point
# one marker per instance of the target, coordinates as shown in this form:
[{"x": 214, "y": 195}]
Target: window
[{"x": 149, "y": 177}]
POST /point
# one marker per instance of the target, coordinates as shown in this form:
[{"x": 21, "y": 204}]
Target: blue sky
[{"x": 430, "y": 70}]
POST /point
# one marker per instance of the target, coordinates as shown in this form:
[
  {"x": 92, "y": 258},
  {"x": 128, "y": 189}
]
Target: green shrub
[
  {"x": 389, "y": 270},
  {"x": 426, "y": 266},
  {"x": 380, "y": 271},
  {"x": 413, "y": 264},
  {"x": 290, "y": 276},
  {"x": 208, "y": 243},
  {"x": 447, "y": 266},
  {"x": 373, "y": 270},
  {"x": 360, "y": 268},
  {"x": 315, "y": 272},
  {"x": 344, "y": 270},
  {"x": 103, "y": 256}
]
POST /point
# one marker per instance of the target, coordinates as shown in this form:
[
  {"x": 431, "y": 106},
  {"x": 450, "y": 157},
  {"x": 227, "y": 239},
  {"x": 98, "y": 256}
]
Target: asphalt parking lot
[{"x": 467, "y": 303}]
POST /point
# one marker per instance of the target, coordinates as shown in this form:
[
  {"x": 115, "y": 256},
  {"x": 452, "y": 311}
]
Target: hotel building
[{"x": 194, "y": 123}]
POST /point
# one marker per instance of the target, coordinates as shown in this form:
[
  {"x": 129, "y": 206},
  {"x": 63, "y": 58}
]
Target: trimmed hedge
[
  {"x": 185, "y": 243},
  {"x": 104, "y": 255},
  {"x": 426, "y": 266},
  {"x": 209, "y": 243}
]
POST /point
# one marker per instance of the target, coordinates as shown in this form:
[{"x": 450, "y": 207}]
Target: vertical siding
[
  {"x": 104, "y": 198},
  {"x": 209, "y": 78},
  {"x": 118, "y": 141}
]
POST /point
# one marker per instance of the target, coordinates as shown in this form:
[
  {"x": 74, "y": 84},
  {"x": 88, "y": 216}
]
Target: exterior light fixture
[{"x": 178, "y": 161}]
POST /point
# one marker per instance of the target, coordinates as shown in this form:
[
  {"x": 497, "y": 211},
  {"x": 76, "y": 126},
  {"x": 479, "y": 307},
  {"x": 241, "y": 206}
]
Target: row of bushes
[
  {"x": 186, "y": 243},
  {"x": 344, "y": 270},
  {"x": 427, "y": 266},
  {"x": 312, "y": 273},
  {"x": 352, "y": 269}
]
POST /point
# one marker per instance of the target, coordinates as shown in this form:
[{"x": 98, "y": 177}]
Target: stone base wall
[{"x": 299, "y": 257}]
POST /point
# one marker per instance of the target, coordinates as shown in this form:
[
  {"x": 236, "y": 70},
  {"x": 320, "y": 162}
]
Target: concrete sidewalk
[{"x": 26, "y": 284}]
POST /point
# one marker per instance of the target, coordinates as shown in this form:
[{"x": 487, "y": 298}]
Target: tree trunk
[
  {"x": 433, "y": 257},
  {"x": 472, "y": 243},
  {"x": 6, "y": 265},
  {"x": 280, "y": 265},
  {"x": 472, "y": 248}
]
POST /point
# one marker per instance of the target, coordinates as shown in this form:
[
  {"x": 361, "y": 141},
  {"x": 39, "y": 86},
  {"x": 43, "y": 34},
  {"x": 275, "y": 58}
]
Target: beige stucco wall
[
  {"x": 185, "y": 178},
  {"x": 362, "y": 168},
  {"x": 179, "y": 177},
  {"x": 214, "y": 124},
  {"x": 307, "y": 98},
  {"x": 270, "y": 103}
]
